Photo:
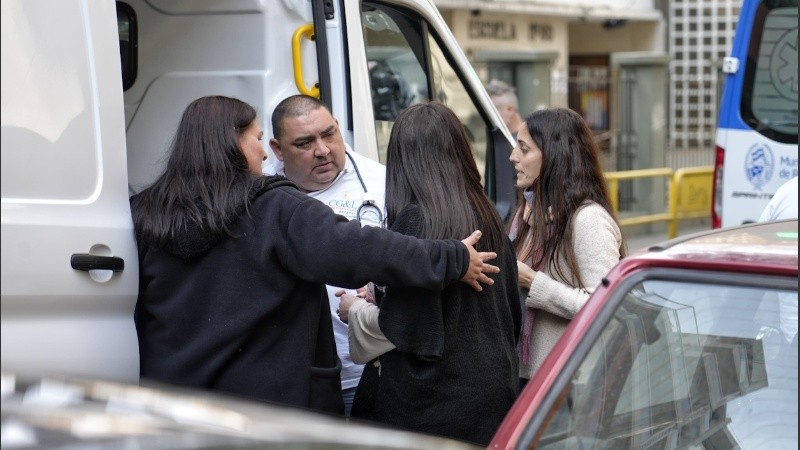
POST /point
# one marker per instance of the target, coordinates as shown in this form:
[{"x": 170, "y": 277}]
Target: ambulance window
[
  {"x": 396, "y": 63},
  {"x": 128, "y": 41},
  {"x": 769, "y": 98},
  {"x": 448, "y": 89},
  {"x": 407, "y": 66}
]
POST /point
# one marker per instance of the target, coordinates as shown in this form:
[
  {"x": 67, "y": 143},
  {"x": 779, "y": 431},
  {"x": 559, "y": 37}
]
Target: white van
[
  {"x": 756, "y": 149},
  {"x": 92, "y": 92}
]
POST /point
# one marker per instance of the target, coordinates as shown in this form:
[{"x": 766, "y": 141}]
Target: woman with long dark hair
[
  {"x": 450, "y": 362},
  {"x": 565, "y": 235},
  {"x": 232, "y": 267}
]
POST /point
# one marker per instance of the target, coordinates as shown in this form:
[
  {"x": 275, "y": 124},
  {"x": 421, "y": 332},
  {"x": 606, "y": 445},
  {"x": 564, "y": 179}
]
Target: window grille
[{"x": 700, "y": 36}]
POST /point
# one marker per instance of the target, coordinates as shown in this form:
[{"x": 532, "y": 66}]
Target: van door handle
[{"x": 85, "y": 261}]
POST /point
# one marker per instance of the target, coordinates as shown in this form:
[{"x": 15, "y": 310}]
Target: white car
[{"x": 59, "y": 413}]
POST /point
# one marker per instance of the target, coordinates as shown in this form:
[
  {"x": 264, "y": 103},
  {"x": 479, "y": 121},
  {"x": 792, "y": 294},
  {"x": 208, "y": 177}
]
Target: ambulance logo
[
  {"x": 759, "y": 165},
  {"x": 783, "y": 66}
]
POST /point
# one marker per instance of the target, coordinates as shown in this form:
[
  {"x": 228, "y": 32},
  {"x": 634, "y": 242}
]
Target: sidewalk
[{"x": 639, "y": 240}]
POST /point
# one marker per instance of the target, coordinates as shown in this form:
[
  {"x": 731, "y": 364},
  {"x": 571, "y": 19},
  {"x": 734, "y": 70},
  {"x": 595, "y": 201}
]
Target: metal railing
[{"x": 689, "y": 189}]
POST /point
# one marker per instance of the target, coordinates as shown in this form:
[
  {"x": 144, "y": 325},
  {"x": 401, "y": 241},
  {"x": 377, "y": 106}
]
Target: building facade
[
  {"x": 568, "y": 53},
  {"x": 700, "y": 35}
]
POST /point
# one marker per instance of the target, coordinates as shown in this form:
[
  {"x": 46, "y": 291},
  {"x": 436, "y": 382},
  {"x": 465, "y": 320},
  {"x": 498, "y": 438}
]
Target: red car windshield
[{"x": 684, "y": 363}]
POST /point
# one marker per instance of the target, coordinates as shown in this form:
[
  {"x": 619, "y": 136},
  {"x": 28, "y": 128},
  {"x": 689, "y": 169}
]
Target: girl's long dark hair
[
  {"x": 571, "y": 175},
  {"x": 206, "y": 181},
  {"x": 430, "y": 164}
]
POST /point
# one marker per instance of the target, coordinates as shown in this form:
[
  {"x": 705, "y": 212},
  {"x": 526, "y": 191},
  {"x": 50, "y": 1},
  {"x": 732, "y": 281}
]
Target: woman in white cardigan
[{"x": 565, "y": 234}]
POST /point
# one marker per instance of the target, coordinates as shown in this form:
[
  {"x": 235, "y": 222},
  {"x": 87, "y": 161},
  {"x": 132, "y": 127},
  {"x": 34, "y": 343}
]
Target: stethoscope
[{"x": 368, "y": 206}]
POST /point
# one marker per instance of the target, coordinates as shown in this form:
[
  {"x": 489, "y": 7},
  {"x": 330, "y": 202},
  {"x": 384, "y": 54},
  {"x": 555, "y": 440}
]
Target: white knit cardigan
[{"x": 596, "y": 239}]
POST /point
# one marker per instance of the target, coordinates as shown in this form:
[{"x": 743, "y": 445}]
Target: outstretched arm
[{"x": 382, "y": 256}]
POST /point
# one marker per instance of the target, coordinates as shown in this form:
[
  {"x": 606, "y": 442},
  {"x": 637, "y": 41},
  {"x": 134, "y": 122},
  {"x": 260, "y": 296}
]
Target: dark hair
[
  {"x": 571, "y": 175},
  {"x": 429, "y": 163},
  {"x": 293, "y": 106},
  {"x": 206, "y": 180}
]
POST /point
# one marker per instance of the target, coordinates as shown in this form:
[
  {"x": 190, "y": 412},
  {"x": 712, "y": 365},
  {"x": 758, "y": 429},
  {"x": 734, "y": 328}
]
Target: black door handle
[{"x": 85, "y": 261}]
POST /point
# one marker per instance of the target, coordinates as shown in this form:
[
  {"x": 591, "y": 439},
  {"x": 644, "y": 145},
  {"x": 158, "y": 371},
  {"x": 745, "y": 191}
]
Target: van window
[
  {"x": 128, "y": 43},
  {"x": 448, "y": 89},
  {"x": 769, "y": 98},
  {"x": 407, "y": 66},
  {"x": 396, "y": 72}
]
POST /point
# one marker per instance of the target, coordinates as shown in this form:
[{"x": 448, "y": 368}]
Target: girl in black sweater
[{"x": 453, "y": 367}]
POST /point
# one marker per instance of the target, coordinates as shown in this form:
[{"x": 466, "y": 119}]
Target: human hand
[
  {"x": 367, "y": 293},
  {"x": 478, "y": 267},
  {"x": 525, "y": 275},
  {"x": 346, "y": 300}
]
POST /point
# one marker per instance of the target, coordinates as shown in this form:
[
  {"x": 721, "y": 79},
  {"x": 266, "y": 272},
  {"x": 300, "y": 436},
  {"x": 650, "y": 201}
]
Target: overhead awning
[{"x": 585, "y": 10}]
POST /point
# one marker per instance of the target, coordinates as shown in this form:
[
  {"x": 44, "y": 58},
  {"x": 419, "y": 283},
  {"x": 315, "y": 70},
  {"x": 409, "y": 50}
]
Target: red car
[{"x": 690, "y": 344}]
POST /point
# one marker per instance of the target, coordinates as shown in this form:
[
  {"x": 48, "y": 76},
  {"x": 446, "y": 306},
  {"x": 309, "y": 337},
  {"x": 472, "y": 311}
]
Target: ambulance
[
  {"x": 92, "y": 92},
  {"x": 756, "y": 143}
]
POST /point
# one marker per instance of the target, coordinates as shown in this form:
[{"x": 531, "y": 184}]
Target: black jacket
[
  {"x": 249, "y": 315},
  {"x": 454, "y": 371}
]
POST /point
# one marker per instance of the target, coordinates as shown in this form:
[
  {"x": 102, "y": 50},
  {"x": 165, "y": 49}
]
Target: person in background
[
  {"x": 504, "y": 97},
  {"x": 783, "y": 204},
  {"x": 311, "y": 153},
  {"x": 565, "y": 235},
  {"x": 440, "y": 362},
  {"x": 232, "y": 266}
]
